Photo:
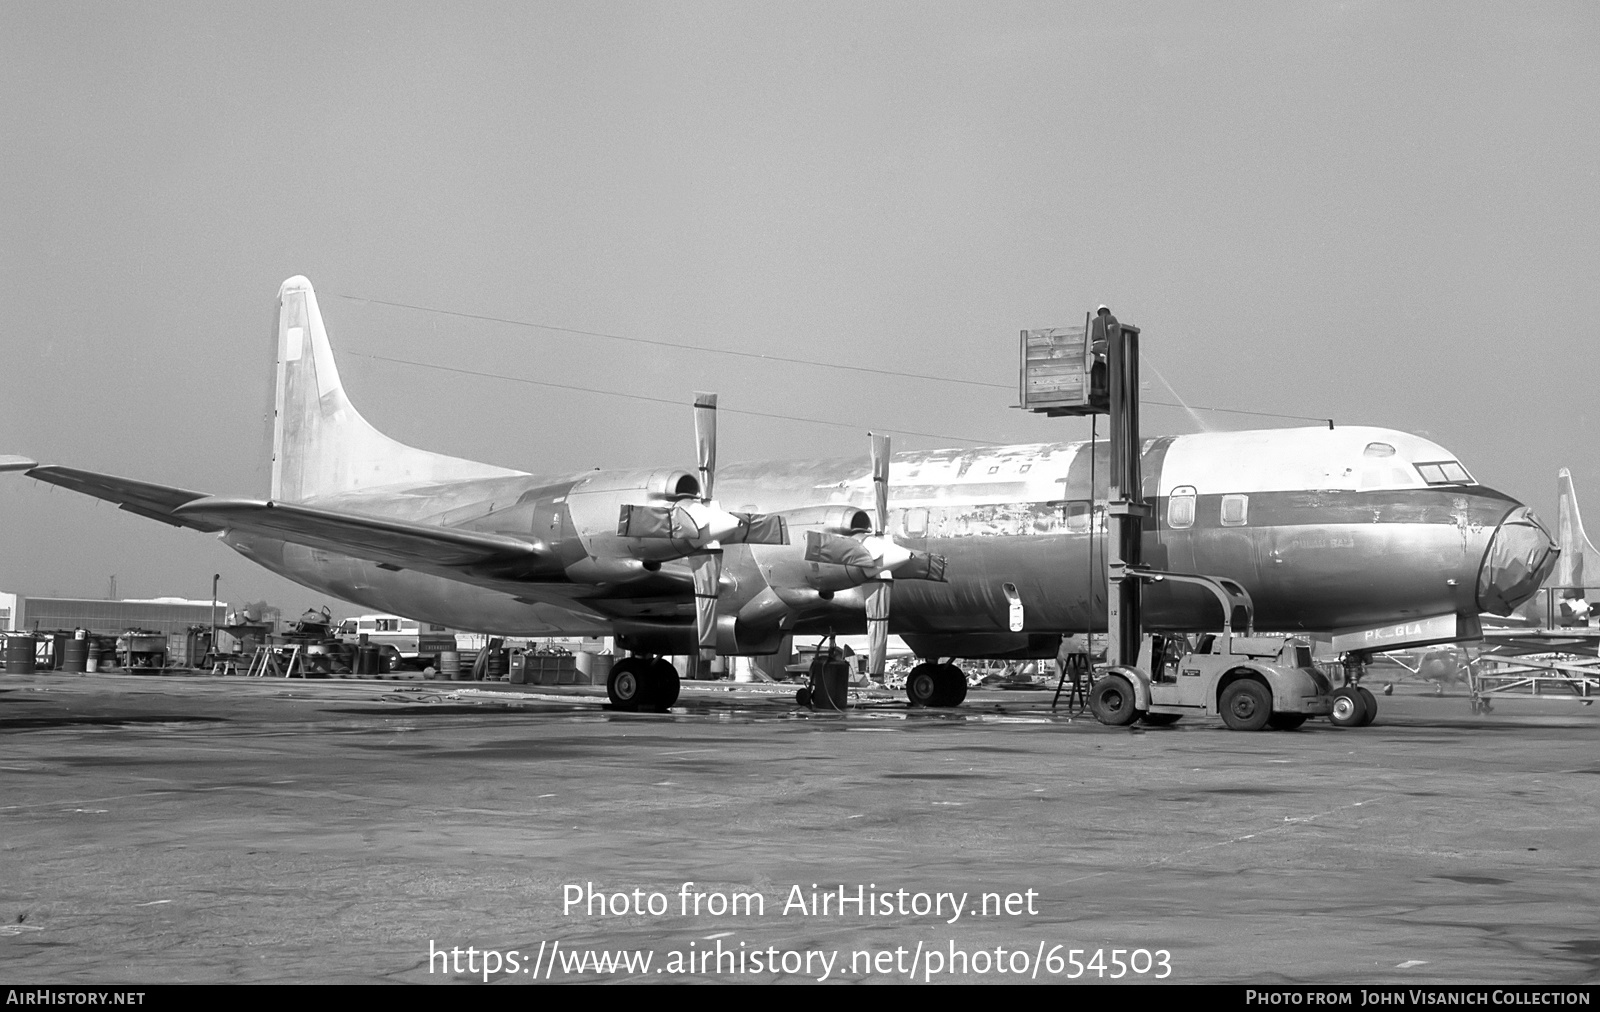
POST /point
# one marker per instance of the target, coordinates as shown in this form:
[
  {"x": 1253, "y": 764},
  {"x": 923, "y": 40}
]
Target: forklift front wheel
[
  {"x": 1112, "y": 701},
  {"x": 1246, "y": 705}
]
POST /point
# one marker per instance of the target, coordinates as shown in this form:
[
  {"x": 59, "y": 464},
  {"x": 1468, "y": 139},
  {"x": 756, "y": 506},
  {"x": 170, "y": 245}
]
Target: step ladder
[{"x": 271, "y": 662}]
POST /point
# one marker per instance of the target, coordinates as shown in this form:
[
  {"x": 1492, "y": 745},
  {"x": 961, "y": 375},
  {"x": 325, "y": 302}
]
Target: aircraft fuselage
[{"x": 1326, "y": 529}]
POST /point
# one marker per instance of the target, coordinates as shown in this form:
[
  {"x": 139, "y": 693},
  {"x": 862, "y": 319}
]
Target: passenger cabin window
[
  {"x": 916, "y": 523},
  {"x": 1235, "y": 510},
  {"x": 1444, "y": 472},
  {"x": 1180, "y": 508},
  {"x": 1077, "y": 517}
]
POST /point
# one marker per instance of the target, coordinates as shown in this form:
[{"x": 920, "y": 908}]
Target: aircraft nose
[{"x": 1520, "y": 555}]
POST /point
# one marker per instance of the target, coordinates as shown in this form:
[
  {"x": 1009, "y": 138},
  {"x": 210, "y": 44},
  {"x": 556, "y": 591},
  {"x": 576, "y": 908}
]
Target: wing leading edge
[{"x": 380, "y": 539}]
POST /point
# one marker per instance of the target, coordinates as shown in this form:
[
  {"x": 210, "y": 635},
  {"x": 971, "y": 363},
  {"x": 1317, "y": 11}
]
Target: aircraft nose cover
[{"x": 1521, "y": 554}]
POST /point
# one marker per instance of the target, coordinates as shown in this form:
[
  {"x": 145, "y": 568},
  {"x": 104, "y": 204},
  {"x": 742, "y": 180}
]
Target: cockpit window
[{"x": 1444, "y": 472}]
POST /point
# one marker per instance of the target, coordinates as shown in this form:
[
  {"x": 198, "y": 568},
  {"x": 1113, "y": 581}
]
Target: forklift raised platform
[{"x": 1252, "y": 682}]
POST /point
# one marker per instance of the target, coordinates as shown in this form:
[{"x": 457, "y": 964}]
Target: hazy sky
[{"x": 1382, "y": 212}]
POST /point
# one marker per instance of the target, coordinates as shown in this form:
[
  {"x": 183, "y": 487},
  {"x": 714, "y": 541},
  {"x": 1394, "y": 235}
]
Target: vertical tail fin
[
  {"x": 1579, "y": 564},
  {"x": 320, "y": 444}
]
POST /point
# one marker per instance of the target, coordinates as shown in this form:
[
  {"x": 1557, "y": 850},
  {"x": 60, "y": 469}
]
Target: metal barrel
[
  {"x": 830, "y": 685},
  {"x": 599, "y": 668},
  {"x": 450, "y": 665},
  {"x": 368, "y": 660},
  {"x": 19, "y": 654},
  {"x": 75, "y": 655}
]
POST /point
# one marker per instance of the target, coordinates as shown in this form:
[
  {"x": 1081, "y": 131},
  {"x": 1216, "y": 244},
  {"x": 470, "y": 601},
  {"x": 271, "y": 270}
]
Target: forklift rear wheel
[
  {"x": 1161, "y": 719},
  {"x": 922, "y": 685},
  {"x": 1112, "y": 701},
  {"x": 1246, "y": 705},
  {"x": 1372, "y": 705},
  {"x": 1349, "y": 709},
  {"x": 1285, "y": 721}
]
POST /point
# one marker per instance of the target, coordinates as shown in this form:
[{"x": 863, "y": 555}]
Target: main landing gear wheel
[
  {"x": 952, "y": 682},
  {"x": 664, "y": 684},
  {"x": 1112, "y": 701},
  {"x": 642, "y": 683},
  {"x": 922, "y": 685},
  {"x": 1246, "y": 705},
  {"x": 1349, "y": 708},
  {"x": 1285, "y": 721},
  {"x": 628, "y": 685},
  {"x": 1372, "y": 705}
]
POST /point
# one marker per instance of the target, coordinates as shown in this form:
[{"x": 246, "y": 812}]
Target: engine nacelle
[{"x": 841, "y": 520}]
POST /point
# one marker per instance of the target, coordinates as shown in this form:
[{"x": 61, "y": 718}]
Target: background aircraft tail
[
  {"x": 1579, "y": 565},
  {"x": 320, "y": 444}
]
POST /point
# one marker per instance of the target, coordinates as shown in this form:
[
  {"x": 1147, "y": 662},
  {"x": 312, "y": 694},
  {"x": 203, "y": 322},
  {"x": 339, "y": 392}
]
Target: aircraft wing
[
  {"x": 381, "y": 539},
  {"x": 158, "y": 502}
]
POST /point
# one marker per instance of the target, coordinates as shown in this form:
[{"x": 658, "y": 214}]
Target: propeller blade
[
  {"x": 667, "y": 522},
  {"x": 880, "y": 480},
  {"x": 707, "y": 569},
  {"x": 705, "y": 438},
  {"x": 838, "y": 551},
  {"x": 759, "y": 529},
  {"x": 878, "y": 627},
  {"x": 922, "y": 566}
]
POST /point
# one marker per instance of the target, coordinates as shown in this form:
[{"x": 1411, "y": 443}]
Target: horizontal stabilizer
[
  {"x": 397, "y": 542},
  {"x": 158, "y": 502}
]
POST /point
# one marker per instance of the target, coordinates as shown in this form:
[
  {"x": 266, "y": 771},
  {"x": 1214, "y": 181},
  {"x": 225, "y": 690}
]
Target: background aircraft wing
[
  {"x": 379, "y": 539},
  {"x": 141, "y": 497}
]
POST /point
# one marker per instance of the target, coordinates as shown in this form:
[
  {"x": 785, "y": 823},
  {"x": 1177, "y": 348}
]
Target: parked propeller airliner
[{"x": 983, "y": 552}]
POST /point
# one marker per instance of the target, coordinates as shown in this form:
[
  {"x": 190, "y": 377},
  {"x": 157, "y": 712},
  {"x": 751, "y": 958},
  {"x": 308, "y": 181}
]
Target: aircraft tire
[
  {"x": 952, "y": 682},
  {"x": 1372, "y": 706},
  {"x": 1349, "y": 709},
  {"x": 664, "y": 685},
  {"x": 1285, "y": 721},
  {"x": 1161, "y": 719},
  {"x": 1246, "y": 705},
  {"x": 1112, "y": 701},
  {"x": 922, "y": 685},
  {"x": 628, "y": 684}
]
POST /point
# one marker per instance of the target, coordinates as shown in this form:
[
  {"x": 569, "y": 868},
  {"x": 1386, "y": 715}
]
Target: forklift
[{"x": 1252, "y": 682}]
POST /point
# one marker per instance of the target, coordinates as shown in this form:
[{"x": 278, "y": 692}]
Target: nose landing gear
[{"x": 1353, "y": 705}]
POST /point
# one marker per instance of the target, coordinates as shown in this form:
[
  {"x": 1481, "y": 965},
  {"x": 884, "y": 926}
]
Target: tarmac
[{"x": 231, "y": 829}]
